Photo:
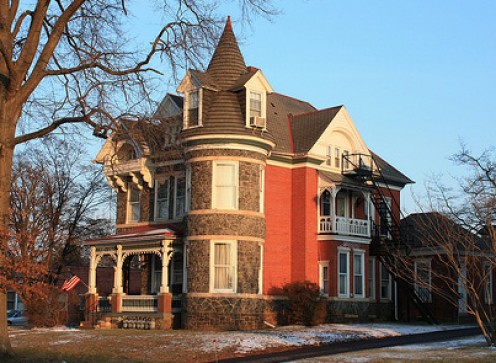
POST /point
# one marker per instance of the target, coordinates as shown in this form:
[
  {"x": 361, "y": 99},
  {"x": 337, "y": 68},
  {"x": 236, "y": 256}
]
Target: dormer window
[
  {"x": 255, "y": 104},
  {"x": 256, "y": 109},
  {"x": 193, "y": 114}
]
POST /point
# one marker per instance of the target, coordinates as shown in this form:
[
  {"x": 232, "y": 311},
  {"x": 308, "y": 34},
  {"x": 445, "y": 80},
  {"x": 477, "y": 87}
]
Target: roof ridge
[
  {"x": 317, "y": 111},
  {"x": 296, "y": 99}
]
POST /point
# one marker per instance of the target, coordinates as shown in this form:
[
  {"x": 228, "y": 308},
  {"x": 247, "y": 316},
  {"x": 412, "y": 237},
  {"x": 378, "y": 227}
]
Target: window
[
  {"x": 324, "y": 277},
  {"x": 341, "y": 205},
  {"x": 329, "y": 156},
  {"x": 325, "y": 203},
  {"x": 133, "y": 211},
  {"x": 337, "y": 155},
  {"x": 488, "y": 283},
  {"x": 372, "y": 277},
  {"x": 225, "y": 185},
  {"x": 358, "y": 274},
  {"x": 223, "y": 266},
  {"x": 385, "y": 283},
  {"x": 385, "y": 216},
  {"x": 423, "y": 279},
  {"x": 346, "y": 160},
  {"x": 193, "y": 109},
  {"x": 162, "y": 193},
  {"x": 262, "y": 188},
  {"x": 343, "y": 273},
  {"x": 180, "y": 196},
  {"x": 255, "y": 104}
]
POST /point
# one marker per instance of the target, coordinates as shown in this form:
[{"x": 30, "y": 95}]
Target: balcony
[{"x": 344, "y": 226}]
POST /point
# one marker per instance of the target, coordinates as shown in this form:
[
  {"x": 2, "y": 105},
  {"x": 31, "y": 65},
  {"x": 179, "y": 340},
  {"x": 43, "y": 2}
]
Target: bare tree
[
  {"x": 53, "y": 197},
  {"x": 449, "y": 252},
  {"x": 68, "y": 62}
]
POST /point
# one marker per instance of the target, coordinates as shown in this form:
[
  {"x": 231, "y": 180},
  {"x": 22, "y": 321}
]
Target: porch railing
[
  {"x": 343, "y": 225},
  {"x": 142, "y": 303},
  {"x": 104, "y": 304}
]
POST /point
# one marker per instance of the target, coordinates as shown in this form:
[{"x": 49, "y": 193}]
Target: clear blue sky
[{"x": 416, "y": 76}]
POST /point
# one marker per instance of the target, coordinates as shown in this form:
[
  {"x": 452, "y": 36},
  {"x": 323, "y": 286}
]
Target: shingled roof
[
  {"x": 308, "y": 128},
  {"x": 279, "y": 108},
  {"x": 227, "y": 63},
  {"x": 390, "y": 173}
]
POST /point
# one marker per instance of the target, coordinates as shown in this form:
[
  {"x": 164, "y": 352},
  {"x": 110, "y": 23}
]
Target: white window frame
[
  {"x": 323, "y": 281},
  {"x": 262, "y": 189},
  {"x": 157, "y": 186},
  {"x": 250, "y": 98},
  {"x": 419, "y": 288},
  {"x": 388, "y": 297},
  {"x": 361, "y": 255},
  {"x": 233, "y": 265},
  {"x": 186, "y": 123},
  {"x": 132, "y": 187},
  {"x": 337, "y": 157},
  {"x": 346, "y": 252},
  {"x": 215, "y": 182},
  {"x": 488, "y": 283},
  {"x": 329, "y": 153},
  {"x": 263, "y": 112},
  {"x": 371, "y": 278},
  {"x": 176, "y": 211}
]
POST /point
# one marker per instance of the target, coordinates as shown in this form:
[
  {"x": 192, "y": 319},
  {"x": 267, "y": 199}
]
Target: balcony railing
[
  {"x": 343, "y": 225},
  {"x": 142, "y": 303}
]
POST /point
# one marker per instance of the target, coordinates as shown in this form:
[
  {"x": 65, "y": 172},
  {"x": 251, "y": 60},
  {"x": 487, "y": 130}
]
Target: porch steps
[{"x": 105, "y": 323}]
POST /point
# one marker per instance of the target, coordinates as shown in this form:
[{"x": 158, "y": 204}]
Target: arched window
[
  {"x": 325, "y": 203},
  {"x": 126, "y": 152}
]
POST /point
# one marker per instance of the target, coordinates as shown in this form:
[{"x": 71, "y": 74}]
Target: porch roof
[
  {"x": 139, "y": 234},
  {"x": 342, "y": 180}
]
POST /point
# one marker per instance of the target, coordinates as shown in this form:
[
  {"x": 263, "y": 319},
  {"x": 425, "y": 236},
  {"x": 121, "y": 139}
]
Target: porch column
[
  {"x": 166, "y": 256},
  {"x": 334, "y": 193},
  {"x": 92, "y": 281},
  {"x": 118, "y": 272}
]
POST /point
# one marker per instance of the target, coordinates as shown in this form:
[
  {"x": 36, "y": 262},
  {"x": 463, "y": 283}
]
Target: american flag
[{"x": 69, "y": 285}]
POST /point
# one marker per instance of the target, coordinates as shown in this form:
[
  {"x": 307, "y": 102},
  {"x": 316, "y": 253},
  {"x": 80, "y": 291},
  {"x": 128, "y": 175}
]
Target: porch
[
  {"x": 345, "y": 207},
  {"x": 157, "y": 253}
]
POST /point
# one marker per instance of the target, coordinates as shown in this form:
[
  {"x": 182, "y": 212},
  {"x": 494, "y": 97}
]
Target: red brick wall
[
  {"x": 278, "y": 209},
  {"x": 304, "y": 225}
]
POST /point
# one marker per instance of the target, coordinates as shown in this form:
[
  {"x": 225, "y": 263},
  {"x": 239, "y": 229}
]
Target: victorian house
[{"x": 234, "y": 190}]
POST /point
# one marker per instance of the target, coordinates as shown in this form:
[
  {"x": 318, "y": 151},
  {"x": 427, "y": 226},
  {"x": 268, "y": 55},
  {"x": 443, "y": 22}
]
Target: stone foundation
[
  {"x": 358, "y": 311},
  {"x": 223, "y": 313}
]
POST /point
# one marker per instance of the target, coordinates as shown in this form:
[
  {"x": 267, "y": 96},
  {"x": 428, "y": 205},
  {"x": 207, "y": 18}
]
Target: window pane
[
  {"x": 225, "y": 175},
  {"x": 255, "y": 104},
  {"x": 342, "y": 285},
  {"x": 163, "y": 200},
  {"x": 325, "y": 203},
  {"x": 134, "y": 195},
  {"x": 343, "y": 263},
  {"x": 180, "y": 196},
  {"x": 358, "y": 285},
  {"x": 223, "y": 269},
  {"x": 225, "y": 186},
  {"x": 357, "y": 265}
]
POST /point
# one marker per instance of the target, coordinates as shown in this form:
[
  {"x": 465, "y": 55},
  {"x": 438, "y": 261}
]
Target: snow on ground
[{"x": 248, "y": 341}]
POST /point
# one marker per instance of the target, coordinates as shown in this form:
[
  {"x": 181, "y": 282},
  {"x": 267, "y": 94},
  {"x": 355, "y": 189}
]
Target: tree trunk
[{"x": 7, "y": 134}]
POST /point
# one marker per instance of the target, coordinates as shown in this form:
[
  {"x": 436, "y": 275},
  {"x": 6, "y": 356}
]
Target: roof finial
[{"x": 228, "y": 23}]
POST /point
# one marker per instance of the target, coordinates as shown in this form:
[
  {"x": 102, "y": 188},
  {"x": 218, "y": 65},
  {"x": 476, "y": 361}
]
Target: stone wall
[
  {"x": 225, "y": 224},
  {"x": 248, "y": 267},
  {"x": 358, "y": 311},
  {"x": 249, "y": 186},
  {"x": 223, "y": 313},
  {"x": 201, "y": 185},
  {"x": 198, "y": 253}
]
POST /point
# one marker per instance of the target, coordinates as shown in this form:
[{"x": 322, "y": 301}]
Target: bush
[
  {"x": 47, "y": 308},
  {"x": 303, "y": 305}
]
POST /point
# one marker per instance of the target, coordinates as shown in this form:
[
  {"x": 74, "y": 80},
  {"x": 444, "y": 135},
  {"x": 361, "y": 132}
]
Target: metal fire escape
[{"x": 387, "y": 239}]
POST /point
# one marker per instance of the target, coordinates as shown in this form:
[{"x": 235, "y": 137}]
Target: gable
[{"x": 341, "y": 133}]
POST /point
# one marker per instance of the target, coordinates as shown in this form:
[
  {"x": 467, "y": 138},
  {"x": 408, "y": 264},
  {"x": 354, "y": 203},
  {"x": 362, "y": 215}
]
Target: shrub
[{"x": 303, "y": 305}]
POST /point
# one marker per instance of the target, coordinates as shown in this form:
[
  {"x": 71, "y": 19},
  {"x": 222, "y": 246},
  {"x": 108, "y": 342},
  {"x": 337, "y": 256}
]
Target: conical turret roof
[{"x": 227, "y": 63}]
